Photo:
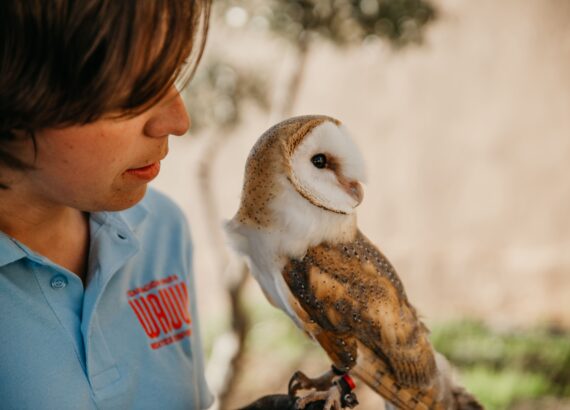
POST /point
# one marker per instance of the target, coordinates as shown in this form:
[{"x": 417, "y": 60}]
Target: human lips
[{"x": 147, "y": 172}]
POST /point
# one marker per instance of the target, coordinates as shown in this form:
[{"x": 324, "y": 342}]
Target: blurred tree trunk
[
  {"x": 287, "y": 91},
  {"x": 227, "y": 351}
]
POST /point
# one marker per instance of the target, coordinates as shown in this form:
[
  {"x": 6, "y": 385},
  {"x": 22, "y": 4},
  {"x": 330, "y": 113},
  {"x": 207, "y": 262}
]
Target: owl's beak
[{"x": 354, "y": 189}]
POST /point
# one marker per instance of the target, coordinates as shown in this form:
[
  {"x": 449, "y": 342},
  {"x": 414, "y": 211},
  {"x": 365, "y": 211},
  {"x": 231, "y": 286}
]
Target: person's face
[{"x": 107, "y": 164}]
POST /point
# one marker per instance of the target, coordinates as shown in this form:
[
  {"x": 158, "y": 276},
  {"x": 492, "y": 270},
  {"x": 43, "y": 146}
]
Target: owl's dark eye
[{"x": 319, "y": 160}]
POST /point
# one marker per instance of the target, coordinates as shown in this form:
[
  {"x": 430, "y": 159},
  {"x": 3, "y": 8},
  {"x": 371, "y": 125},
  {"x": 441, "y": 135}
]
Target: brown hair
[{"x": 65, "y": 62}]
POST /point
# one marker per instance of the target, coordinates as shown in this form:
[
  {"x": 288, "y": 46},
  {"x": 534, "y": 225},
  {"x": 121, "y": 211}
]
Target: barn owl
[{"x": 296, "y": 225}]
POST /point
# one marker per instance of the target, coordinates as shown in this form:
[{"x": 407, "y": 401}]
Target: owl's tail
[{"x": 443, "y": 394}]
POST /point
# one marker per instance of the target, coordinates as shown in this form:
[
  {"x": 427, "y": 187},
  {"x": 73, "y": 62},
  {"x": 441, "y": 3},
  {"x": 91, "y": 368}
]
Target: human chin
[{"x": 121, "y": 199}]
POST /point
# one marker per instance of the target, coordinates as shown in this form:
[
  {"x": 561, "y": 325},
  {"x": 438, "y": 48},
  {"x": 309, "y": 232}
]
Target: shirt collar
[
  {"x": 10, "y": 250},
  {"x": 126, "y": 221}
]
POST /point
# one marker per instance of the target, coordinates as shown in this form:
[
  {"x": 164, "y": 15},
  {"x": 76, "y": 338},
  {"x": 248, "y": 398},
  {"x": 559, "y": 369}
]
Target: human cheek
[{"x": 88, "y": 165}]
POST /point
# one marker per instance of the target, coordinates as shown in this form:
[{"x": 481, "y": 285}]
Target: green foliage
[
  {"x": 344, "y": 22},
  {"x": 348, "y": 21},
  {"x": 499, "y": 389},
  {"x": 504, "y": 367}
]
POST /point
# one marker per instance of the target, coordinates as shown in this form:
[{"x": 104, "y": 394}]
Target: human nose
[{"x": 169, "y": 117}]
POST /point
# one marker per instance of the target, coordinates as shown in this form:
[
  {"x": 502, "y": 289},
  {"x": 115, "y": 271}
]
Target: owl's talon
[
  {"x": 337, "y": 396},
  {"x": 300, "y": 381},
  {"x": 331, "y": 397},
  {"x": 333, "y": 400}
]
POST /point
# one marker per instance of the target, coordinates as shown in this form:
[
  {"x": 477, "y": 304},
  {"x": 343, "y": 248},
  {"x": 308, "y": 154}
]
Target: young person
[{"x": 97, "y": 303}]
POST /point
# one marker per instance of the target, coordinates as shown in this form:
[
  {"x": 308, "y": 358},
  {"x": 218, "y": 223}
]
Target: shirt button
[{"x": 58, "y": 282}]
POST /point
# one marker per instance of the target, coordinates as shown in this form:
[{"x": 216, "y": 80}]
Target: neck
[{"x": 58, "y": 232}]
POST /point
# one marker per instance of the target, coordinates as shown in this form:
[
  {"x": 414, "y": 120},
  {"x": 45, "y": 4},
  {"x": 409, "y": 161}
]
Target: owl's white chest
[{"x": 265, "y": 262}]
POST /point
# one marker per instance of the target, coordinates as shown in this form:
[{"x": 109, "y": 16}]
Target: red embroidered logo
[{"x": 163, "y": 310}]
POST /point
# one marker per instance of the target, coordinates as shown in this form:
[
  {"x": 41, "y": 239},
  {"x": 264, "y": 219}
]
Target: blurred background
[{"x": 462, "y": 111}]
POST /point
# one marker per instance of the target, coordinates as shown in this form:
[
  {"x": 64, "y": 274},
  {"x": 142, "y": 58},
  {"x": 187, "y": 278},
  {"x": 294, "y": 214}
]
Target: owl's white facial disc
[{"x": 327, "y": 169}]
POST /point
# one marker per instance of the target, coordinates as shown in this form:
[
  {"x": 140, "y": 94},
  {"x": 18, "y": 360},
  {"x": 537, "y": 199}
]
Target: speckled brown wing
[
  {"x": 377, "y": 374},
  {"x": 354, "y": 296}
]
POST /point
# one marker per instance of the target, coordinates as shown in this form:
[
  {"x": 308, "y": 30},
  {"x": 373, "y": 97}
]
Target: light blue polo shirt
[{"x": 130, "y": 340}]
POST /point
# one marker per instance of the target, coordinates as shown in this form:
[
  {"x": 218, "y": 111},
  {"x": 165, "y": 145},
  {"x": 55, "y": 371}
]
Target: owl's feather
[{"x": 351, "y": 291}]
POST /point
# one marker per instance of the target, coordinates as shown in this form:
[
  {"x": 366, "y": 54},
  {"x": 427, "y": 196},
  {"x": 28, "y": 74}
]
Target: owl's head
[
  {"x": 325, "y": 166},
  {"x": 304, "y": 165}
]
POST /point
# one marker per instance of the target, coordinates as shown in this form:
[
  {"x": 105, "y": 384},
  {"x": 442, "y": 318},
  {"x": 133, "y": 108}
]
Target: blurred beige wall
[{"x": 467, "y": 144}]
